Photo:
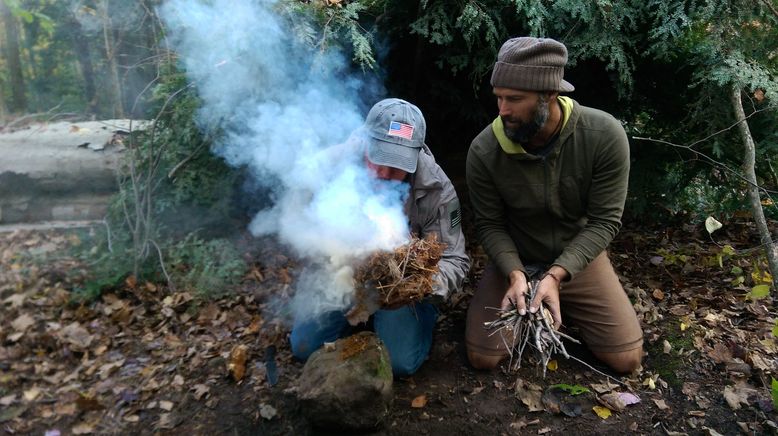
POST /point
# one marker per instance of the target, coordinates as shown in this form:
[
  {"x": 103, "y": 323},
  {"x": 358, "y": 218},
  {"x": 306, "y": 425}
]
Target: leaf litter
[{"x": 99, "y": 366}]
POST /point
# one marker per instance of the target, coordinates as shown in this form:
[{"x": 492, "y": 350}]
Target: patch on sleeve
[{"x": 454, "y": 213}]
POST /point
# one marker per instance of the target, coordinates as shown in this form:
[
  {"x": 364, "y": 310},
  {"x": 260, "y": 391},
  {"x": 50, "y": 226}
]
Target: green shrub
[
  {"x": 206, "y": 267},
  {"x": 174, "y": 195}
]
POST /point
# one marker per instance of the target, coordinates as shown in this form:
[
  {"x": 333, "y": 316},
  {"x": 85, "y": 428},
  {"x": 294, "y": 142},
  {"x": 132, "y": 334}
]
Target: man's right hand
[{"x": 514, "y": 296}]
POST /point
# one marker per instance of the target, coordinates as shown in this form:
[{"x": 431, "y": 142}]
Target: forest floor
[{"x": 145, "y": 359}]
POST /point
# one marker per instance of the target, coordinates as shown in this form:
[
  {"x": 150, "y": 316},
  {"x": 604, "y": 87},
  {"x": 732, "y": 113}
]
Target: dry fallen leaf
[
  {"x": 552, "y": 365},
  {"x": 720, "y": 353},
  {"x": 237, "y": 365},
  {"x": 200, "y": 390},
  {"x": 602, "y": 412},
  {"x": 83, "y": 428},
  {"x": 602, "y": 388},
  {"x": 612, "y": 401},
  {"x": 419, "y": 402},
  {"x": 658, "y": 294},
  {"x": 531, "y": 395},
  {"x": 15, "y": 300},
  {"x": 661, "y": 404},
  {"x": 738, "y": 394},
  {"x": 22, "y": 322},
  {"x": 166, "y": 405},
  {"x": 76, "y": 336},
  {"x": 629, "y": 398},
  {"x": 7, "y": 400},
  {"x": 65, "y": 409},
  {"x": 31, "y": 394},
  {"x": 666, "y": 347},
  {"x": 165, "y": 421},
  {"x": 760, "y": 363}
]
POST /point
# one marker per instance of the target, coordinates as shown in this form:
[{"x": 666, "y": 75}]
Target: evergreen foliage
[{"x": 663, "y": 67}]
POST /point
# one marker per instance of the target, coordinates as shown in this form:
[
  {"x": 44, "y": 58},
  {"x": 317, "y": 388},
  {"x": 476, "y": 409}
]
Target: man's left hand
[{"x": 548, "y": 293}]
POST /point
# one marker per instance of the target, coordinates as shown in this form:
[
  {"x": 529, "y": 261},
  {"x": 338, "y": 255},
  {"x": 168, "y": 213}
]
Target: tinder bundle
[{"x": 402, "y": 276}]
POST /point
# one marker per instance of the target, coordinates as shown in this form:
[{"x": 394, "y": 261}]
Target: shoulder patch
[{"x": 454, "y": 213}]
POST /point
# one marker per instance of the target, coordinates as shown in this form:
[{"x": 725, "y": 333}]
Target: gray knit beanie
[{"x": 531, "y": 64}]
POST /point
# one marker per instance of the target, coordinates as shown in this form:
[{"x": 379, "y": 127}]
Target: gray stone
[{"x": 348, "y": 386}]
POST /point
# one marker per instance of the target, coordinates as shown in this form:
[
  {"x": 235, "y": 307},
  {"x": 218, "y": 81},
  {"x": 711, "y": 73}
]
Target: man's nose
[
  {"x": 504, "y": 108},
  {"x": 383, "y": 172}
]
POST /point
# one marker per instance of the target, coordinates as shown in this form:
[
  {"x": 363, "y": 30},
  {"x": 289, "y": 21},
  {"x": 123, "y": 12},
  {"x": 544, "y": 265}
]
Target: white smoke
[{"x": 282, "y": 106}]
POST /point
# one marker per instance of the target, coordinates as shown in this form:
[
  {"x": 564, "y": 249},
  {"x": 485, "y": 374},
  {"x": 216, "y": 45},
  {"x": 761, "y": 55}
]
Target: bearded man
[{"x": 548, "y": 181}]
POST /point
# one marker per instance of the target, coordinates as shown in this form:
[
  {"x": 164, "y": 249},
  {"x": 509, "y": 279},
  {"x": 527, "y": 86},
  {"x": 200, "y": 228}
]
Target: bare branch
[
  {"x": 709, "y": 160},
  {"x": 771, "y": 7}
]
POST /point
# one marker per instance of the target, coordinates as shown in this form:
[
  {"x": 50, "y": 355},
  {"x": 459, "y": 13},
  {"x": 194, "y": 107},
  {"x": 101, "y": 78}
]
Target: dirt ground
[{"x": 146, "y": 360}]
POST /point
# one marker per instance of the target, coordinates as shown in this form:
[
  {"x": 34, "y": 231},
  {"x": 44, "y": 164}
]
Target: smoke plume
[{"x": 281, "y": 107}]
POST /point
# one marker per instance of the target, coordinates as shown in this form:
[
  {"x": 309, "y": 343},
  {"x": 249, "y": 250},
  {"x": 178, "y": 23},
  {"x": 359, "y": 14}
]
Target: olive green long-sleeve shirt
[{"x": 563, "y": 208}]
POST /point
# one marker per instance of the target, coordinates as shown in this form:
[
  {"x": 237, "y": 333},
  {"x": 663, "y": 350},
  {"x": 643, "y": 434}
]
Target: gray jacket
[{"x": 433, "y": 207}]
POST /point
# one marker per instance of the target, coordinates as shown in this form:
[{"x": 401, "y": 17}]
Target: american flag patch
[
  {"x": 400, "y": 129},
  {"x": 454, "y": 214}
]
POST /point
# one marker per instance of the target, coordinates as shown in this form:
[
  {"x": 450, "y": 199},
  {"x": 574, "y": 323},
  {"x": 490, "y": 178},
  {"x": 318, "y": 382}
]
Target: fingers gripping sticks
[{"x": 534, "y": 329}]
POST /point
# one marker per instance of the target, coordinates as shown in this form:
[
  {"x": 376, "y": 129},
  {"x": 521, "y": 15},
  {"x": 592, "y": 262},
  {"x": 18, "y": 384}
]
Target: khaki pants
[{"x": 594, "y": 301}]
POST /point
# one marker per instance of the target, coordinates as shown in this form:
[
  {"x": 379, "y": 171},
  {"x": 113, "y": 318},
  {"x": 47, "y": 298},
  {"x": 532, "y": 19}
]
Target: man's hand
[
  {"x": 515, "y": 293},
  {"x": 548, "y": 293}
]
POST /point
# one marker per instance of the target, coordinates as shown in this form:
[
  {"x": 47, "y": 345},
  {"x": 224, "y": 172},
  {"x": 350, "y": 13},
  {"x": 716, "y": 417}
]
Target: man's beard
[{"x": 525, "y": 131}]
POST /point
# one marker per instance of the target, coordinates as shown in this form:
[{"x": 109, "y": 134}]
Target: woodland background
[{"x": 665, "y": 68}]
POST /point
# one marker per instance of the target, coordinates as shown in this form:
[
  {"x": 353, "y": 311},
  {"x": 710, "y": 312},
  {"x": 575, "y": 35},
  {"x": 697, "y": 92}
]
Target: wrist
[
  {"x": 554, "y": 276},
  {"x": 517, "y": 276}
]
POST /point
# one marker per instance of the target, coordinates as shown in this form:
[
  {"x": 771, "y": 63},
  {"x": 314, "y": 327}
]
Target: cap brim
[
  {"x": 393, "y": 155},
  {"x": 565, "y": 86}
]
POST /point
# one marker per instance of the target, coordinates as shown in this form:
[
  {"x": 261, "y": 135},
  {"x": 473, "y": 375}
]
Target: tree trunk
[
  {"x": 81, "y": 49},
  {"x": 30, "y": 35},
  {"x": 749, "y": 161},
  {"x": 110, "y": 57},
  {"x": 18, "y": 98},
  {"x": 2, "y": 105}
]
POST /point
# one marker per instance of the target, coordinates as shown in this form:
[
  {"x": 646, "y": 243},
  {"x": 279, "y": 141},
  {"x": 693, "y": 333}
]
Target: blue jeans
[{"x": 406, "y": 332}]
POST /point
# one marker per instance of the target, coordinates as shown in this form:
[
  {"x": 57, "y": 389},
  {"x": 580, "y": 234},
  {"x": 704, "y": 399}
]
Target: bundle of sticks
[
  {"x": 533, "y": 329},
  {"x": 402, "y": 276}
]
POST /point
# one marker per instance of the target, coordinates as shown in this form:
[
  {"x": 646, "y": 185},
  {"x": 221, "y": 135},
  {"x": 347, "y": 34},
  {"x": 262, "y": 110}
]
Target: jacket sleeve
[
  {"x": 607, "y": 193},
  {"x": 490, "y": 220},
  {"x": 454, "y": 263}
]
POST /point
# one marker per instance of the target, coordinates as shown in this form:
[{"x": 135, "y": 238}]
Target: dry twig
[{"x": 534, "y": 329}]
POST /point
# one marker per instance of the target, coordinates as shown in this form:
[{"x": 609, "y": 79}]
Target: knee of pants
[
  {"x": 407, "y": 364},
  {"x": 407, "y": 334},
  {"x": 308, "y": 336},
  {"x": 301, "y": 345}
]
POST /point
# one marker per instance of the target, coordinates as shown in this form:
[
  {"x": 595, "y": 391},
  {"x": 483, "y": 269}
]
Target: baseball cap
[{"x": 396, "y": 130}]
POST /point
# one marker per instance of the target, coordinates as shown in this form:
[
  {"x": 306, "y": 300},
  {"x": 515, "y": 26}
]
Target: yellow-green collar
[{"x": 511, "y": 147}]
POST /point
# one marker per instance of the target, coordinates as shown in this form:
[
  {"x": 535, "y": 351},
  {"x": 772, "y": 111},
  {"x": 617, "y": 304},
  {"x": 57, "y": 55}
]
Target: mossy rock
[{"x": 347, "y": 386}]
